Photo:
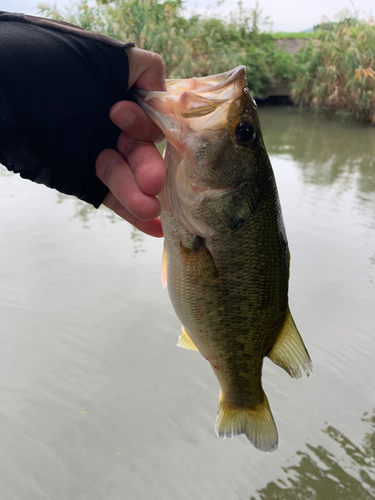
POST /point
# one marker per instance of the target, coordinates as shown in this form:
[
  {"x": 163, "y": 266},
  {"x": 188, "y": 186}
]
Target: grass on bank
[{"x": 194, "y": 46}]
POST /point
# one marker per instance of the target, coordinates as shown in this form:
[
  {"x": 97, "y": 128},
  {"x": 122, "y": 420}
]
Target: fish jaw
[
  {"x": 185, "y": 190},
  {"x": 191, "y": 106},
  {"x": 193, "y": 115}
]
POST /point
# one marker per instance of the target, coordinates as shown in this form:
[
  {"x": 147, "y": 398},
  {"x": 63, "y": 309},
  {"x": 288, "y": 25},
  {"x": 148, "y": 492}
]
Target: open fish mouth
[
  {"x": 212, "y": 83},
  {"x": 196, "y": 106},
  {"x": 193, "y": 115}
]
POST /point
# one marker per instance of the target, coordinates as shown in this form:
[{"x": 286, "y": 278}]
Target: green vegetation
[
  {"x": 302, "y": 35},
  {"x": 334, "y": 71},
  {"x": 197, "y": 46}
]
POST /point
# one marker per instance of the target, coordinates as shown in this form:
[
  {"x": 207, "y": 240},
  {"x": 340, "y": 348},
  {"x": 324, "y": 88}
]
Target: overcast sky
[{"x": 286, "y": 15}]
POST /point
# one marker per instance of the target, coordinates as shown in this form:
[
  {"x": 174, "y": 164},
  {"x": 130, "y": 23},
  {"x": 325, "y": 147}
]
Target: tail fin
[{"x": 256, "y": 423}]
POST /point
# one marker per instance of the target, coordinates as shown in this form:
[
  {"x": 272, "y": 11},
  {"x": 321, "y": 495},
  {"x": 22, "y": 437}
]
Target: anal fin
[
  {"x": 185, "y": 341},
  {"x": 289, "y": 351}
]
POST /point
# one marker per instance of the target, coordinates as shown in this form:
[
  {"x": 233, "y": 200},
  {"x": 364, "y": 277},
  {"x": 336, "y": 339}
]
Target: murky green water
[{"x": 96, "y": 400}]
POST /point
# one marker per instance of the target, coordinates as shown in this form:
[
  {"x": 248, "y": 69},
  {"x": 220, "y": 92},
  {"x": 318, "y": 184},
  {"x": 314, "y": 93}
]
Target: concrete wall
[{"x": 292, "y": 45}]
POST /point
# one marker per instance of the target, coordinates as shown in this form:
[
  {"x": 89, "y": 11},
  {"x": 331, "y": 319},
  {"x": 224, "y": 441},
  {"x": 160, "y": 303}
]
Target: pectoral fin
[
  {"x": 198, "y": 262},
  {"x": 185, "y": 341},
  {"x": 289, "y": 351},
  {"x": 164, "y": 267}
]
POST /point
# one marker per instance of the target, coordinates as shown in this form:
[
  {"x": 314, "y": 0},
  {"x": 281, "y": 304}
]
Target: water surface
[{"x": 96, "y": 400}]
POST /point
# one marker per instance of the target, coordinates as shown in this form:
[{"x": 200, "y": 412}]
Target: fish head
[{"x": 214, "y": 147}]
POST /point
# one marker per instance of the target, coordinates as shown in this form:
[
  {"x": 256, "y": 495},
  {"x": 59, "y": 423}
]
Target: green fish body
[{"x": 226, "y": 259}]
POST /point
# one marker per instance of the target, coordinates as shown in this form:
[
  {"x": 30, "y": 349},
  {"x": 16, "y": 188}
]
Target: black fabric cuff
[{"x": 57, "y": 85}]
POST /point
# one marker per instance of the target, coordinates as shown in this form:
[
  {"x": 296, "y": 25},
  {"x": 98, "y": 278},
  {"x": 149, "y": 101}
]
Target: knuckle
[
  {"x": 108, "y": 168},
  {"x": 158, "y": 61},
  {"x": 126, "y": 145},
  {"x": 119, "y": 209}
]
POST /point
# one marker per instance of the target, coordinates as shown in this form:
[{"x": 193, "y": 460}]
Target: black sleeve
[{"x": 57, "y": 84}]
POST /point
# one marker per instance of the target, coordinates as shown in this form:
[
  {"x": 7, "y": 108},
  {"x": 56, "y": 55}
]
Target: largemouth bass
[{"x": 226, "y": 257}]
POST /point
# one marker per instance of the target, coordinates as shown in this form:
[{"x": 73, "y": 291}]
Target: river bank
[{"x": 332, "y": 69}]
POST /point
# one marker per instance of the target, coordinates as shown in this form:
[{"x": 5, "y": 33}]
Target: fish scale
[{"x": 226, "y": 259}]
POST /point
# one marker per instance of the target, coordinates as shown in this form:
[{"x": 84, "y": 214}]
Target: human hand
[{"x": 135, "y": 174}]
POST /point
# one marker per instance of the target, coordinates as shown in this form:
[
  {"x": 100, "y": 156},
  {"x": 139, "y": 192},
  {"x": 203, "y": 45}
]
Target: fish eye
[{"x": 244, "y": 132}]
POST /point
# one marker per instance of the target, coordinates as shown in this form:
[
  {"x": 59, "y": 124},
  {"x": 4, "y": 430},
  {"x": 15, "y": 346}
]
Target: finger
[
  {"x": 146, "y": 69},
  {"x": 114, "y": 171},
  {"x": 145, "y": 162},
  {"x": 152, "y": 227},
  {"x": 130, "y": 118}
]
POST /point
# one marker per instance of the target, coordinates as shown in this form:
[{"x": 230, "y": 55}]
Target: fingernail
[{"x": 122, "y": 119}]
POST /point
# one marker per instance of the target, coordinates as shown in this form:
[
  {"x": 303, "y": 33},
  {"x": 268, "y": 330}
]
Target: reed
[
  {"x": 335, "y": 71},
  {"x": 198, "y": 45}
]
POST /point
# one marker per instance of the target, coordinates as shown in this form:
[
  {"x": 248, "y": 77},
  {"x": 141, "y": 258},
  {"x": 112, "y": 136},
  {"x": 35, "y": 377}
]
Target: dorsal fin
[
  {"x": 289, "y": 351},
  {"x": 185, "y": 341}
]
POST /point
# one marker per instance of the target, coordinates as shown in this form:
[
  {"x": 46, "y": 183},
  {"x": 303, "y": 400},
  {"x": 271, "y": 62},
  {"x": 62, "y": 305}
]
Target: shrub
[
  {"x": 335, "y": 71},
  {"x": 197, "y": 46}
]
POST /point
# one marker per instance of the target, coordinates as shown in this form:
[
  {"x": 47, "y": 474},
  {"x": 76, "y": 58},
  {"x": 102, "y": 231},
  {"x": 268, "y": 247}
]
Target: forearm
[{"x": 57, "y": 85}]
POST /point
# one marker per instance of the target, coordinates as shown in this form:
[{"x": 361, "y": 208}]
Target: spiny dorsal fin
[
  {"x": 289, "y": 351},
  {"x": 185, "y": 341},
  {"x": 256, "y": 423},
  {"x": 164, "y": 267}
]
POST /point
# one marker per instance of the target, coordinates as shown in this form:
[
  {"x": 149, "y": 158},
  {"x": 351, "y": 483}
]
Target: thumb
[{"x": 146, "y": 69}]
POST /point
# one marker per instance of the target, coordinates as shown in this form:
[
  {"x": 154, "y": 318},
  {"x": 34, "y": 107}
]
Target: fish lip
[{"x": 226, "y": 79}]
